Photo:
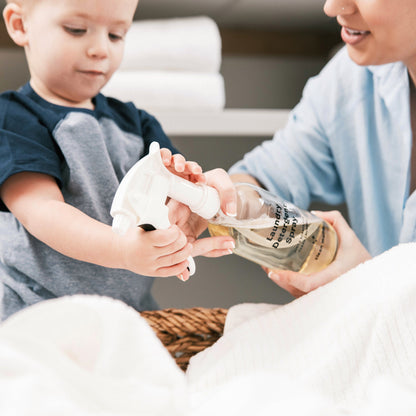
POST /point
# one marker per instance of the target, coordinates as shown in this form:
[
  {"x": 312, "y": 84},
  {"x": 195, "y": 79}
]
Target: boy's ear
[{"x": 13, "y": 18}]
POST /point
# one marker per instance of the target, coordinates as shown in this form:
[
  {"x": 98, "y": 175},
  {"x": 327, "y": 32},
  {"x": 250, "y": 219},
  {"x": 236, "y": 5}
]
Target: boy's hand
[
  {"x": 350, "y": 254},
  {"x": 178, "y": 165},
  {"x": 159, "y": 253}
]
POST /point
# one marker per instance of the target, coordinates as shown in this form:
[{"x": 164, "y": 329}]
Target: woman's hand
[
  {"x": 221, "y": 181},
  {"x": 192, "y": 225},
  {"x": 350, "y": 253}
]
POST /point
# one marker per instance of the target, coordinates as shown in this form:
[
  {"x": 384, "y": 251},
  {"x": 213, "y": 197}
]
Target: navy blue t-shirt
[{"x": 88, "y": 152}]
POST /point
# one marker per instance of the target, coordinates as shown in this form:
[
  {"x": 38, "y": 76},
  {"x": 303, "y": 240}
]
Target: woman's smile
[{"x": 353, "y": 36}]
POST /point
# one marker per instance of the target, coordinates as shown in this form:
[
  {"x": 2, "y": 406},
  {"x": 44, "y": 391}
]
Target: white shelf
[{"x": 229, "y": 122}]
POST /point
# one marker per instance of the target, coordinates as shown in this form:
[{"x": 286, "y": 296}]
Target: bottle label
[
  {"x": 284, "y": 228},
  {"x": 290, "y": 228}
]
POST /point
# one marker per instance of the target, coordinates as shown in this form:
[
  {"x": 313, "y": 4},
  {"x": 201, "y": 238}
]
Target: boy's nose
[
  {"x": 333, "y": 8},
  {"x": 98, "y": 47}
]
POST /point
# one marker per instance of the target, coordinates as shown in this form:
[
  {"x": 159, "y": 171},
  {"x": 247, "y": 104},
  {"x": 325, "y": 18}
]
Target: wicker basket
[{"x": 185, "y": 332}]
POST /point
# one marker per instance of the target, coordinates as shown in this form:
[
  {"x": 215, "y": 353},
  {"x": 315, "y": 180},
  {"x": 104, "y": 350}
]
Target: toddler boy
[{"x": 64, "y": 149}]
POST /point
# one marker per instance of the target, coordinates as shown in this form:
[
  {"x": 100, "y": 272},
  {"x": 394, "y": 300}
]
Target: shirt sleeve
[
  {"x": 153, "y": 131},
  {"x": 25, "y": 144}
]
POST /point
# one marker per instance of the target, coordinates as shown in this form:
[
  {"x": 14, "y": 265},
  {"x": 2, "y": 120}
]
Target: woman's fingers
[
  {"x": 283, "y": 279},
  {"x": 213, "y": 246},
  {"x": 221, "y": 181},
  {"x": 350, "y": 253}
]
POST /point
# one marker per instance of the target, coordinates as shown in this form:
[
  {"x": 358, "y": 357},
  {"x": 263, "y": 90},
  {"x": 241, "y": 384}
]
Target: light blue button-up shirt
[{"x": 348, "y": 140}]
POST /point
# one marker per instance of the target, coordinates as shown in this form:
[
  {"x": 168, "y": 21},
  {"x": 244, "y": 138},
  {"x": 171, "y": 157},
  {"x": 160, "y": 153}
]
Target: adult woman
[{"x": 350, "y": 138}]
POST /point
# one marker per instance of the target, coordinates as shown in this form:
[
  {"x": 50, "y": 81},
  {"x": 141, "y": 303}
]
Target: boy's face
[{"x": 74, "y": 46}]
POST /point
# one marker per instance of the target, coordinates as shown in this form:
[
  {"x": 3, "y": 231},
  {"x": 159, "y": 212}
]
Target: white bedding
[{"x": 348, "y": 348}]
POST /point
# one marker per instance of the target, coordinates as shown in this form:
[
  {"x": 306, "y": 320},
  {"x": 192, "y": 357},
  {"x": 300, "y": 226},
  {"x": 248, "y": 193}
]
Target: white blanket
[
  {"x": 190, "y": 44},
  {"x": 163, "y": 90},
  {"x": 341, "y": 342},
  {"x": 86, "y": 355},
  {"x": 348, "y": 348}
]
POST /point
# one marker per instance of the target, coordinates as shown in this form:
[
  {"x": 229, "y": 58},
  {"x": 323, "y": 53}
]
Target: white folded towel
[
  {"x": 164, "y": 90},
  {"x": 185, "y": 44}
]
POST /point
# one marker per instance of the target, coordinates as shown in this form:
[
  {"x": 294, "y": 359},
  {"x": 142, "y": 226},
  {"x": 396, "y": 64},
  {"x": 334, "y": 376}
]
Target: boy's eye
[
  {"x": 74, "y": 30},
  {"x": 114, "y": 37}
]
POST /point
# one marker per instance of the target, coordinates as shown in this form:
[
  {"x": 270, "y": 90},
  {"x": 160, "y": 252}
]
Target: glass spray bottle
[{"x": 275, "y": 233}]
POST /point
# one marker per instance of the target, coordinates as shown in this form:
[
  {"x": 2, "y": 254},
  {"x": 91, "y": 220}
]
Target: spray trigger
[{"x": 141, "y": 197}]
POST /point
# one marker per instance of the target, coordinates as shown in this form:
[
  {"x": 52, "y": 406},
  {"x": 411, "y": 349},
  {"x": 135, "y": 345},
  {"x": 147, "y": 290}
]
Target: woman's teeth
[{"x": 355, "y": 32}]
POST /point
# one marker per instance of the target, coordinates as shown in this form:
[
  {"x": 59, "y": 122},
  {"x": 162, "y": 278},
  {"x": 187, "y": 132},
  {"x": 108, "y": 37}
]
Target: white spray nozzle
[{"x": 141, "y": 197}]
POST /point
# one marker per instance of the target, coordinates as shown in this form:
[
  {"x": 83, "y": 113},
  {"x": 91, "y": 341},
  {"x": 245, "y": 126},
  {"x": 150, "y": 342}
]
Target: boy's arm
[{"x": 37, "y": 202}]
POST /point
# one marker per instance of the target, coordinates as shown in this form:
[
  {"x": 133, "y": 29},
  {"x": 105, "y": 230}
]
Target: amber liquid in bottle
[{"x": 277, "y": 234}]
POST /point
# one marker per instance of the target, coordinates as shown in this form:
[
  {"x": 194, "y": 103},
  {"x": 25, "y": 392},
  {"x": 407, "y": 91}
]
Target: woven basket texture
[{"x": 185, "y": 332}]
